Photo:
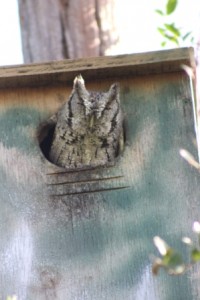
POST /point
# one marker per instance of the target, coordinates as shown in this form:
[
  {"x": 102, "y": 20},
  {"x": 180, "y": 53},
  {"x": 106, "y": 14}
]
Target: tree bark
[{"x": 58, "y": 29}]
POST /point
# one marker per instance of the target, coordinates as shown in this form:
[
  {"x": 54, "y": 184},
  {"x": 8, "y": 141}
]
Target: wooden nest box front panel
[{"x": 87, "y": 233}]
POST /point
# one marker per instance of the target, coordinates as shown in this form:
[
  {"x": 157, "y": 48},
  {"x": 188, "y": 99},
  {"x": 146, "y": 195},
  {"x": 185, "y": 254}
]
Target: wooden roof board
[{"x": 59, "y": 72}]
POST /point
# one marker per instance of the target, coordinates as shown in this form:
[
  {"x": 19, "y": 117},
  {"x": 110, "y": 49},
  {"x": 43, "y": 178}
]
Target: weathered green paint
[{"x": 97, "y": 245}]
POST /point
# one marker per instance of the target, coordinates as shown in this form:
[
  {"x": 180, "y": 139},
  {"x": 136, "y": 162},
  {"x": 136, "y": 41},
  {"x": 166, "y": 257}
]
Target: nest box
[{"x": 87, "y": 234}]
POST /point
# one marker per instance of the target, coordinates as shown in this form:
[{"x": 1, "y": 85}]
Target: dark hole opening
[{"x": 45, "y": 137}]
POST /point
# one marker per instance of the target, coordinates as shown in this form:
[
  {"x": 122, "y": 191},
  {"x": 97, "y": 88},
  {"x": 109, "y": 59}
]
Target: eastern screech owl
[{"x": 89, "y": 130}]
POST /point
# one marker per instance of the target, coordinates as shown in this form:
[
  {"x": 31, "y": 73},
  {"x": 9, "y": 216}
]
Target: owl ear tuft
[
  {"x": 79, "y": 86},
  {"x": 78, "y": 80},
  {"x": 114, "y": 91}
]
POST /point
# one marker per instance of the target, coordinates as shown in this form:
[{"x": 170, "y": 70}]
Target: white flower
[
  {"x": 161, "y": 245},
  {"x": 196, "y": 227},
  {"x": 187, "y": 240}
]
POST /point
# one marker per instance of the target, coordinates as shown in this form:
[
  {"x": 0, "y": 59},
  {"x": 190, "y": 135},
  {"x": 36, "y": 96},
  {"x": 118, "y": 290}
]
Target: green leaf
[
  {"x": 172, "y": 29},
  {"x": 186, "y": 36},
  {"x": 173, "y": 262},
  {"x": 171, "y": 6},
  {"x": 195, "y": 255},
  {"x": 163, "y": 44},
  {"x": 172, "y": 258},
  {"x": 162, "y": 31},
  {"x": 160, "y": 12},
  {"x": 172, "y": 39}
]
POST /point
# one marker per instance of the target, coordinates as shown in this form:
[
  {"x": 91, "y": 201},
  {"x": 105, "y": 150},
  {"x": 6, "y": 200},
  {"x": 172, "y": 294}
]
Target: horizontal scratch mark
[
  {"x": 94, "y": 191},
  {"x": 85, "y": 181},
  {"x": 80, "y": 170}
]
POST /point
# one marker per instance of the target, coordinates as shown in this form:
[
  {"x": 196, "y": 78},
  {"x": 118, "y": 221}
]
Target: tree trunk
[{"x": 57, "y": 29}]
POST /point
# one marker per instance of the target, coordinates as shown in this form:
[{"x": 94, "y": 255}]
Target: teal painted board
[{"x": 88, "y": 234}]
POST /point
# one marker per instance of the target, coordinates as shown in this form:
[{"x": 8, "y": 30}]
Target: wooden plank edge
[{"x": 59, "y": 72}]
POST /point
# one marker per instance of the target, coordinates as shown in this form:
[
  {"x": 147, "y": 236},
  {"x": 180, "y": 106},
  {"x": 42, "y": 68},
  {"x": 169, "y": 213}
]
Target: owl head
[{"x": 95, "y": 103}]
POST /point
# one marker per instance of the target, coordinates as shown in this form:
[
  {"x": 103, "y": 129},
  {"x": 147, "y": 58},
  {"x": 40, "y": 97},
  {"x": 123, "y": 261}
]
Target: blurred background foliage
[{"x": 171, "y": 32}]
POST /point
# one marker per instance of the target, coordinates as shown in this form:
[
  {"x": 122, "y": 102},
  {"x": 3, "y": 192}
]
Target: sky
[
  {"x": 141, "y": 22},
  {"x": 10, "y": 46},
  {"x": 137, "y": 26}
]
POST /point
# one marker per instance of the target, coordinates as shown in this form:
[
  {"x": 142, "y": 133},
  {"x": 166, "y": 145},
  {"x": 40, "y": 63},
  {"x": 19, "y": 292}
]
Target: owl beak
[{"x": 91, "y": 121}]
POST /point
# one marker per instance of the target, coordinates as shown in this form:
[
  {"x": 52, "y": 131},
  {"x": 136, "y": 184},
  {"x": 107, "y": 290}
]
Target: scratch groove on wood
[
  {"x": 92, "y": 191},
  {"x": 76, "y": 171},
  {"x": 86, "y": 180}
]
